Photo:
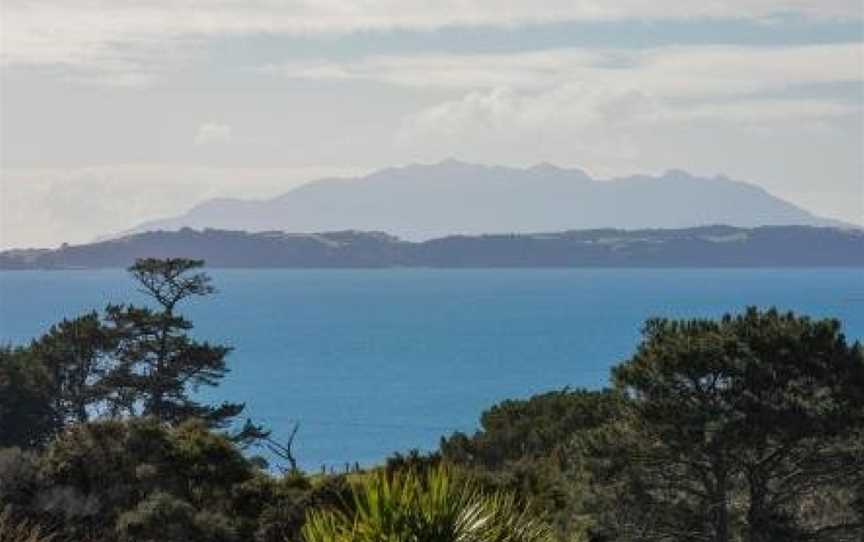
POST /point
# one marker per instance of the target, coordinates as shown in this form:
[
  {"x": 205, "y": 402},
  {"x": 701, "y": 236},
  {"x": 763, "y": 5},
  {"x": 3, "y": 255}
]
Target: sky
[{"x": 113, "y": 112}]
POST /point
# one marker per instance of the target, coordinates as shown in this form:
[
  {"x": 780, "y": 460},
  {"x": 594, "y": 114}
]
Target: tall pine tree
[
  {"x": 159, "y": 365},
  {"x": 758, "y": 416}
]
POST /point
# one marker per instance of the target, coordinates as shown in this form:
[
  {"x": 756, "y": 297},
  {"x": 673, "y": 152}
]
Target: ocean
[{"x": 372, "y": 362}]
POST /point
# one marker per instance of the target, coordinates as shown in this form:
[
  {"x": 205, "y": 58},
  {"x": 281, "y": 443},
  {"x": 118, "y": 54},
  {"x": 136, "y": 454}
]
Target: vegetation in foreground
[
  {"x": 426, "y": 506},
  {"x": 748, "y": 428}
]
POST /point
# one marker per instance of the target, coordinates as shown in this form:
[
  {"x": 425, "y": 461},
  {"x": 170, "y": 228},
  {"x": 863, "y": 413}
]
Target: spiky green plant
[{"x": 429, "y": 507}]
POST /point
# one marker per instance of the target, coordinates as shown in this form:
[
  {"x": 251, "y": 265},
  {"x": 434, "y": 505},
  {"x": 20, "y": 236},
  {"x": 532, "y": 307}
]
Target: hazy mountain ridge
[
  {"x": 419, "y": 202},
  {"x": 711, "y": 246}
]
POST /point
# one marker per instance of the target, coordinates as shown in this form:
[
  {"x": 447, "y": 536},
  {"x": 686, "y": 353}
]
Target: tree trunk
[
  {"x": 722, "y": 532},
  {"x": 759, "y": 529},
  {"x": 721, "y": 507}
]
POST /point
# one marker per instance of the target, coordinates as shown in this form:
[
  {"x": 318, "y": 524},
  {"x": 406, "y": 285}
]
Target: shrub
[
  {"x": 426, "y": 507},
  {"x": 16, "y": 530}
]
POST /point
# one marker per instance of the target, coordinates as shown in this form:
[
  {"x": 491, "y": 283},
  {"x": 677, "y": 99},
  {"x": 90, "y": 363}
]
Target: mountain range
[
  {"x": 710, "y": 246},
  {"x": 420, "y": 202}
]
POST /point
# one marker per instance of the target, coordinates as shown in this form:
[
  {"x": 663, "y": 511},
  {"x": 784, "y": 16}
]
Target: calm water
[{"x": 372, "y": 362}]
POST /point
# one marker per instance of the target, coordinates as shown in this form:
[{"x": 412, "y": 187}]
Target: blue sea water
[{"x": 376, "y": 361}]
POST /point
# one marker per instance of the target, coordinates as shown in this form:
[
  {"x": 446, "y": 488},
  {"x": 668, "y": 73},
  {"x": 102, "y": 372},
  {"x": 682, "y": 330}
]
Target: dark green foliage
[
  {"x": 414, "y": 461},
  {"x": 131, "y": 361},
  {"x": 171, "y": 280},
  {"x": 746, "y": 428},
  {"x": 19, "y": 477},
  {"x": 77, "y": 355},
  {"x": 761, "y": 406},
  {"x": 283, "y": 511},
  {"x": 524, "y": 447},
  {"x": 28, "y": 417},
  {"x": 126, "y": 477},
  {"x": 161, "y": 517},
  {"x": 158, "y": 363},
  {"x": 536, "y": 428},
  {"x": 207, "y": 462},
  {"x": 139, "y": 480},
  {"x": 58, "y": 380}
]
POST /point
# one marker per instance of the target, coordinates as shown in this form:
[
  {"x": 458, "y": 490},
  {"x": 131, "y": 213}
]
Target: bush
[
  {"x": 18, "y": 530},
  {"x": 427, "y": 507}
]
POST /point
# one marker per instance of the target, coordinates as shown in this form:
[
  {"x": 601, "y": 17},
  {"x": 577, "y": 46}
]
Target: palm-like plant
[{"x": 430, "y": 507}]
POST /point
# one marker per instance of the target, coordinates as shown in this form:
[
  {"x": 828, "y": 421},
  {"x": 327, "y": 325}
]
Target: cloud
[
  {"x": 714, "y": 70},
  {"x": 594, "y": 97},
  {"x": 610, "y": 108},
  {"x": 114, "y": 35},
  {"x": 594, "y": 125},
  {"x": 212, "y": 132},
  {"x": 599, "y": 122},
  {"x": 603, "y": 101}
]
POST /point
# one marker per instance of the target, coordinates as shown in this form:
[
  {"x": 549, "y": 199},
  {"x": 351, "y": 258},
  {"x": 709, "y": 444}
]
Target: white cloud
[
  {"x": 599, "y": 122},
  {"x": 109, "y": 33},
  {"x": 212, "y": 132},
  {"x": 594, "y": 97},
  {"x": 719, "y": 70}
]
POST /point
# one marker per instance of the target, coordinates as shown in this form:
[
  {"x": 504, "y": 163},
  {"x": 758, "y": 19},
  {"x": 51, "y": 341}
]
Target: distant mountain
[
  {"x": 426, "y": 201},
  {"x": 711, "y": 246}
]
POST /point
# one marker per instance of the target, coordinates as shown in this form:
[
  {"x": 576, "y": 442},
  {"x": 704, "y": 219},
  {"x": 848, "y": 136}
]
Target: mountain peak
[
  {"x": 453, "y": 162},
  {"x": 544, "y": 167},
  {"x": 678, "y": 175}
]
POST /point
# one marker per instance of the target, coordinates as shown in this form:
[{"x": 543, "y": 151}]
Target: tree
[
  {"x": 764, "y": 406},
  {"x": 127, "y": 476},
  {"x": 524, "y": 447},
  {"x": 133, "y": 360},
  {"x": 77, "y": 355},
  {"x": 158, "y": 362},
  {"x": 162, "y": 517},
  {"x": 533, "y": 428},
  {"x": 284, "y": 450},
  {"x": 27, "y": 415}
]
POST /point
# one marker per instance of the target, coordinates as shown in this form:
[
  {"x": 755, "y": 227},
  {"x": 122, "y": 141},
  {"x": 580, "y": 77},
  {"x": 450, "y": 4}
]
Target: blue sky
[{"x": 116, "y": 112}]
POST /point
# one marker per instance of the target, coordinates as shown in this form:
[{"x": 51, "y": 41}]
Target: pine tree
[
  {"x": 77, "y": 354},
  {"x": 764, "y": 406},
  {"x": 159, "y": 364}
]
